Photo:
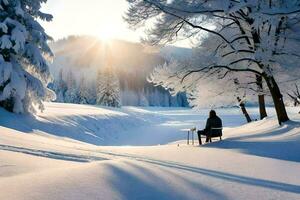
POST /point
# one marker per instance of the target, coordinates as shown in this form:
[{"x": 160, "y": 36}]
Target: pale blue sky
[{"x": 101, "y": 18}]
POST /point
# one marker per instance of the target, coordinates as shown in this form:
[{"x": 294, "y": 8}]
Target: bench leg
[
  {"x": 193, "y": 137},
  {"x": 220, "y": 137},
  {"x": 188, "y": 138}
]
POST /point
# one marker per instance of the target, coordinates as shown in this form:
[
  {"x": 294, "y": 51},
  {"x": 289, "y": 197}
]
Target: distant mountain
[{"x": 83, "y": 56}]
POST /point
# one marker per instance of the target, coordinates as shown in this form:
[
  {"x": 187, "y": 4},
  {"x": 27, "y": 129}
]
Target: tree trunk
[
  {"x": 261, "y": 97},
  {"x": 244, "y": 110},
  {"x": 262, "y": 106},
  {"x": 277, "y": 99}
]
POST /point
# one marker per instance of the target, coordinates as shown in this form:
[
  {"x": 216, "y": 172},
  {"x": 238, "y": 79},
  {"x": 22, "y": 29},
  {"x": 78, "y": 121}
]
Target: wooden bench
[{"x": 215, "y": 132}]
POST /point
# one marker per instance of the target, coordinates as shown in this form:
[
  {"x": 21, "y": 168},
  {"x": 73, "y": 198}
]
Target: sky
[{"x": 101, "y": 18}]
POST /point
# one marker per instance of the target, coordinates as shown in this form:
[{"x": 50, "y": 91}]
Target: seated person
[{"x": 212, "y": 122}]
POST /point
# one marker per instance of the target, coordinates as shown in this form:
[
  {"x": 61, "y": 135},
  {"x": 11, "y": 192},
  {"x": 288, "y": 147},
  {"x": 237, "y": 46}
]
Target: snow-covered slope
[
  {"x": 40, "y": 158},
  {"x": 92, "y": 124},
  {"x": 113, "y": 126}
]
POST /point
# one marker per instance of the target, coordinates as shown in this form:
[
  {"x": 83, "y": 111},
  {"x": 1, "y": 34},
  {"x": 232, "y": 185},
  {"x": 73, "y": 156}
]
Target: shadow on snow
[
  {"x": 51, "y": 154},
  {"x": 217, "y": 174}
]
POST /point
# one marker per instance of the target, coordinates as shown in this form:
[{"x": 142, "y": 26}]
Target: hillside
[{"x": 83, "y": 56}]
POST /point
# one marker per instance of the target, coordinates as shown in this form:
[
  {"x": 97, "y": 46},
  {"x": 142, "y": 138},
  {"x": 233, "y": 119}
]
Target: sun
[{"x": 106, "y": 34}]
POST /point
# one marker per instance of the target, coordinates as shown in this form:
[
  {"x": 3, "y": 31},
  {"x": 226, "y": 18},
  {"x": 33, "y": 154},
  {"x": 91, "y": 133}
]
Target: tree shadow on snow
[
  {"x": 285, "y": 147},
  {"x": 191, "y": 188},
  {"x": 282, "y": 150},
  {"x": 227, "y": 177},
  {"x": 286, "y": 127},
  {"x": 131, "y": 186}
]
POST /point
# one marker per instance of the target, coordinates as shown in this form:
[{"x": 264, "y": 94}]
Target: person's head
[{"x": 212, "y": 113}]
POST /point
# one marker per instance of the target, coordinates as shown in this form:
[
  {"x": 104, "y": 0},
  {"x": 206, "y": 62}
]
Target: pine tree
[
  {"x": 143, "y": 101},
  {"x": 24, "y": 73},
  {"x": 60, "y": 87},
  {"x": 83, "y": 92},
  {"x": 108, "y": 88},
  {"x": 71, "y": 95},
  {"x": 92, "y": 93}
]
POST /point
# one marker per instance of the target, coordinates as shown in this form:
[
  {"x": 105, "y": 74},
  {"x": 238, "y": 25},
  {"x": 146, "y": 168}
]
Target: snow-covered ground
[{"x": 77, "y": 152}]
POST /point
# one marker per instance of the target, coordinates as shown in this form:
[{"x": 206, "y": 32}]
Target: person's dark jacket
[{"x": 213, "y": 122}]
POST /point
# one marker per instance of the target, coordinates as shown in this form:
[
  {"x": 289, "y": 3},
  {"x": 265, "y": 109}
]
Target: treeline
[{"x": 71, "y": 89}]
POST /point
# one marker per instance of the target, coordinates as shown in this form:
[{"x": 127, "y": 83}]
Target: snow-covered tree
[
  {"x": 60, "y": 87},
  {"x": 71, "y": 95},
  {"x": 91, "y": 93},
  {"x": 108, "y": 88},
  {"x": 143, "y": 101},
  {"x": 241, "y": 99},
  {"x": 208, "y": 92},
  {"x": 295, "y": 96},
  {"x": 83, "y": 93},
  {"x": 257, "y": 37},
  {"x": 24, "y": 72}
]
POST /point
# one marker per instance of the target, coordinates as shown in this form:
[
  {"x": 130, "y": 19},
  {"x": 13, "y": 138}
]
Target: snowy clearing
[{"x": 54, "y": 156}]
